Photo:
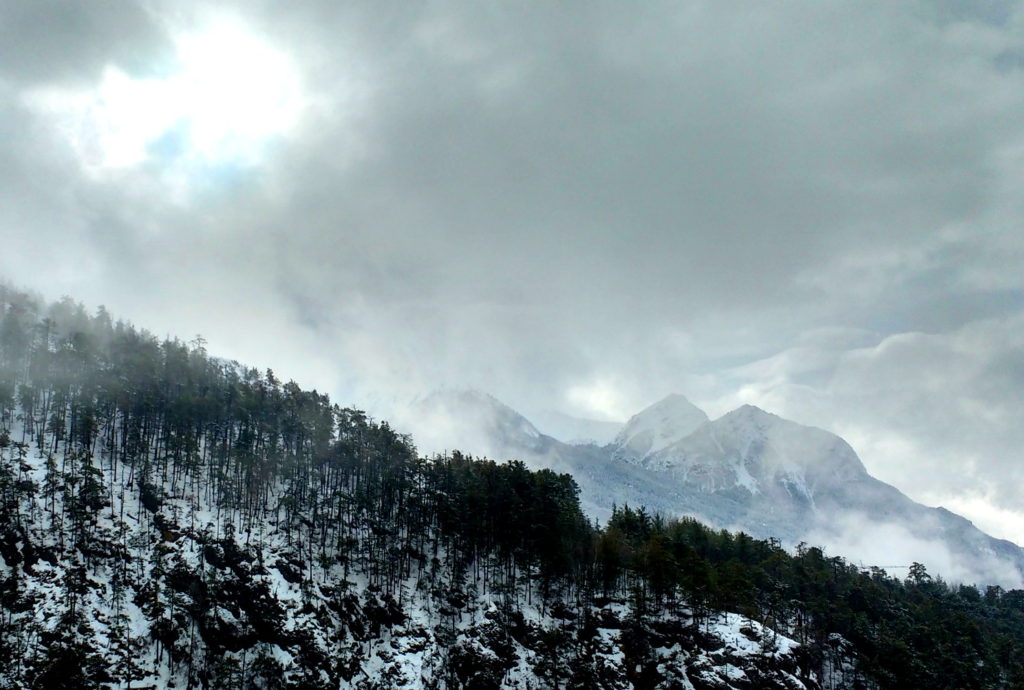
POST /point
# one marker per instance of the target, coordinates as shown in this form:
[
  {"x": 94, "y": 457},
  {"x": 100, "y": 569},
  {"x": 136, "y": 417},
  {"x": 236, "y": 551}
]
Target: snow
[
  {"x": 406, "y": 655},
  {"x": 743, "y": 477},
  {"x": 741, "y": 634},
  {"x": 659, "y": 426},
  {"x": 748, "y": 470},
  {"x": 413, "y": 652},
  {"x": 751, "y": 449}
]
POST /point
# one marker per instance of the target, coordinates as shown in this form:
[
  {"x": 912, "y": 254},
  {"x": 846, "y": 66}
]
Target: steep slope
[
  {"x": 172, "y": 520},
  {"x": 173, "y": 590},
  {"x": 770, "y": 470},
  {"x": 168, "y": 519},
  {"x": 754, "y": 449}
]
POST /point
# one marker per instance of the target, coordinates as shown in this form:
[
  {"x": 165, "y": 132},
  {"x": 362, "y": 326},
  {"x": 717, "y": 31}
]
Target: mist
[{"x": 578, "y": 209}]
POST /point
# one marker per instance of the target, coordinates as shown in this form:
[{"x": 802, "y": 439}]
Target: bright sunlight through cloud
[
  {"x": 226, "y": 95},
  {"x": 598, "y": 398}
]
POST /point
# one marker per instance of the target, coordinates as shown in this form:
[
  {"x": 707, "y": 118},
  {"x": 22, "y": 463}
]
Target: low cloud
[{"x": 866, "y": 542}]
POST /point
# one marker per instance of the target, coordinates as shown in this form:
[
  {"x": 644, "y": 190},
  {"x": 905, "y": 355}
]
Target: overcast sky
[{"x": 812, "y": 206}]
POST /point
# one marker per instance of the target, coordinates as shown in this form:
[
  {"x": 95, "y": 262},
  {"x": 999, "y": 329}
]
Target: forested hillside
[{"x": 170, "y": 519}]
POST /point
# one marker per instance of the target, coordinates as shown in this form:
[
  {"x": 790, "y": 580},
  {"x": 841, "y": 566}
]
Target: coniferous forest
[{"x": 171, "y": 519}]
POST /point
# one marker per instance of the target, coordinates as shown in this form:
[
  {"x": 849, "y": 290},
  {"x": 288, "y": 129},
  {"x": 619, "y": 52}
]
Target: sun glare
[
  {"x": 227, "y": 94},
  {"x": 235, "y": 90}
]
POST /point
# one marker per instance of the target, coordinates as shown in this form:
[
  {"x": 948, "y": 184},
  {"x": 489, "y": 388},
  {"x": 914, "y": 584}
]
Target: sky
[{"x": 811, "y": 206}]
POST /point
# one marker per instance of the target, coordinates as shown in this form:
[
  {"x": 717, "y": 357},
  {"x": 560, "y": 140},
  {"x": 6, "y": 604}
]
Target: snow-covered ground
[{"x": 161, "y": 595}]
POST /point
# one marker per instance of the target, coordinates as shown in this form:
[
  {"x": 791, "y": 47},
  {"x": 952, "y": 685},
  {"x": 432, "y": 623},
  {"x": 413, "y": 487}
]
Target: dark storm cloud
[{"x": 540, "y": 199}]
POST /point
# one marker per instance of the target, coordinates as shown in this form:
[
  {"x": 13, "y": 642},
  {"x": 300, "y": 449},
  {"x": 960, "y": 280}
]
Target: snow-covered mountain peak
[
  {"x": 752, "y": 418},
  {"x": 659, "y": 426},
  {"x": 748, "y": 410},
  {"x": 757, "y": 447}
]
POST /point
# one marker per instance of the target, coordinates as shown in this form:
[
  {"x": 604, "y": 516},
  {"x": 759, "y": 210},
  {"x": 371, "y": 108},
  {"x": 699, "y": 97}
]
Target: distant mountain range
[{"x": 748, "y": 470}]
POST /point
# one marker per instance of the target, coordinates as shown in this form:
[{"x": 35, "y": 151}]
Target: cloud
[
  {"x": 932, "y": 413},
  {"x": 811, "y": 204},
  {"x": 65, "y": 41},
  {"x": 869, "y": 543}
]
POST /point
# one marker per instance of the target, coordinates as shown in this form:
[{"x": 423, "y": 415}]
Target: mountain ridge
[{"x": 752, "y": 470}]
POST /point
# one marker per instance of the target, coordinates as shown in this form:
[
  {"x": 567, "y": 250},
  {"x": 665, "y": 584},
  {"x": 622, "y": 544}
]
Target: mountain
[
  {"x": 753, "y": 471},
  {"x": 478, "y": 423},
  {"x": 172, "y": 520},
  {"x": 749, "y": 448},
  {"x": 793, "y": 482},
  {"x": 657, "y": 427},
  {"x": 770, "y": 472}
]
